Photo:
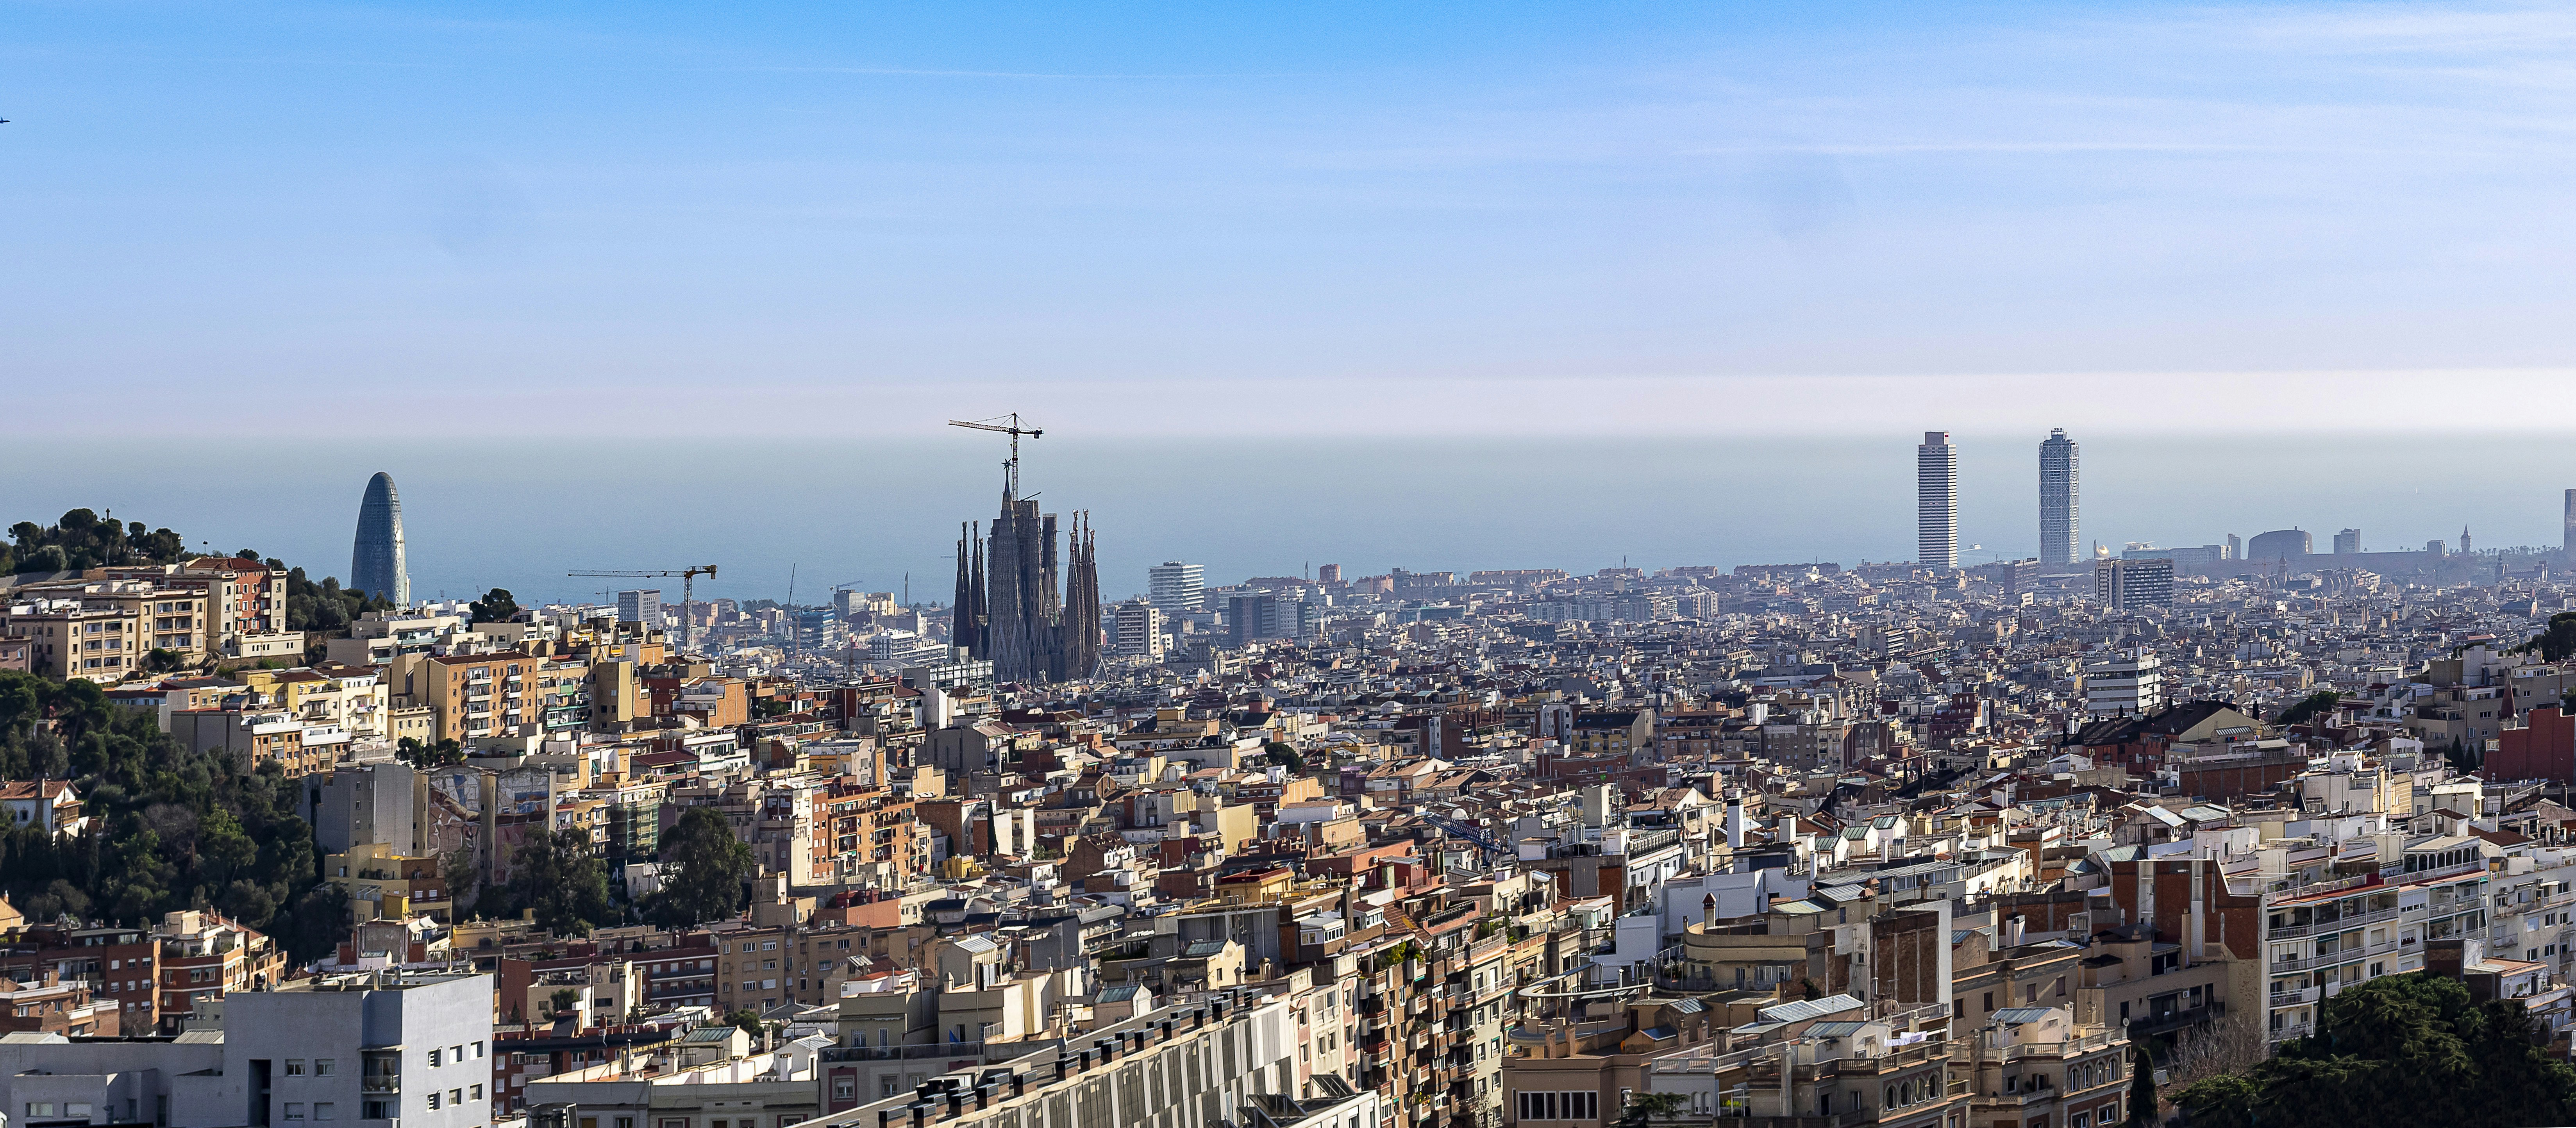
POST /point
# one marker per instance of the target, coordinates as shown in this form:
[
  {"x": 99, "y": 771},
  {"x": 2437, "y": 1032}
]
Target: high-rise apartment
[
  {"x": 2058, "y": 487},
  {"x": 1139, "y": 630},
  {"x": 2567, "y": 521},
  {"x": 640, "y": 607},
  {"x": 1936, "y": 499},
  {"x": 2347, "y": 542},
  {"x": 377, "y": 565},
  {"x": 2130, "y": 584},
  {"x": 1176, "y": 587}
]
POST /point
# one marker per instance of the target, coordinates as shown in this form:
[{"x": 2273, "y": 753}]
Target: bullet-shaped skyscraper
[
  {"x": 1936, "y": 500},
  {"x": 376, "y": 566},
  {"x": 2058, "y": 487}
]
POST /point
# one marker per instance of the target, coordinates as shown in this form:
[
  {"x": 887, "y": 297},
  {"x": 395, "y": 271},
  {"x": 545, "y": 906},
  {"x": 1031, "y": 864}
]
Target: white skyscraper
[
  {"x": 1936, "y": 493},
  {"x": 2058, "y": 487},
  {"x": 1175, "y": 587}
]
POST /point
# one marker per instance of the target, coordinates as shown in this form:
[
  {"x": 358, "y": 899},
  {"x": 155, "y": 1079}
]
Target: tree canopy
[
  {"x": 82, "y": 539},
  {"x": 555, "y": 874},
  {"x": 2557, "y": 641},
  {"x": 2321, "y": 701},
  {"x": 703, "y": 870},
  {"x": 170, "y": 828},
  {"x": 496, "y": 606},
  {"x": 2403, "y": 1049}
]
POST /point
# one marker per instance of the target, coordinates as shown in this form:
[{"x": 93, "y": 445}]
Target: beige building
[{"x": 99, "y": 640}]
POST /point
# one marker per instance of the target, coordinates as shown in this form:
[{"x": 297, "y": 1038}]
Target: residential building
[
  {"x": 2059, "y": 487},
  {"x": 1936, "y": 501}
]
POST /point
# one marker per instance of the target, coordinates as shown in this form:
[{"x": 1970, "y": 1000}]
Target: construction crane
[
  {"x": 1010, "y": 469},
  {"x": 688, "y": 593}
]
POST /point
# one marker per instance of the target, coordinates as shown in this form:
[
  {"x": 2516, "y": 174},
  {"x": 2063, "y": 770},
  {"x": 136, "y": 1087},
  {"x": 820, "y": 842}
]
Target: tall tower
[
  {"x": 376, "y": 565},
  {"x": 1936, "y": 500},
  {"x": 2057, "y": 500},
  {"x": 2464, "y": 540},
  {"x": 2568, "y": 523}
]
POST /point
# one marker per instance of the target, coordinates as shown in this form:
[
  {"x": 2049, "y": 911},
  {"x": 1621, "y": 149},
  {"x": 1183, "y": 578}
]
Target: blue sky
[{"x": 1367, "y": 219}]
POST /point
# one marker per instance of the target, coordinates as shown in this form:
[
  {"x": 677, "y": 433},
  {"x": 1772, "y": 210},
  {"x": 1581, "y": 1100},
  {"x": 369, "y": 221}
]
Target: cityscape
[{"x": 1042, "y": 567}]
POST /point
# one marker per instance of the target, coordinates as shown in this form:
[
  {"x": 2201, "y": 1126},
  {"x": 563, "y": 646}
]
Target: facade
[
  {"x": 2279, "y": 544},
  {"x": 2347, "y": 542},
  {"x": 1215, "y": 1061},
  {"x": 1034, "y": 616},
  {"x": 1176, "y": 587},
  {"x": 643, "y": 606},
  {"x": 2127, "y": 685},
  {"x": 2133, "y": 585},
  {"x": 408, "y": 1048},
  {"x": 1936, "y": 501},
  {"x": 378, "y": 564},
  {"x": 2059, "y": 489},
  {"x": 1138, "y": 632}
]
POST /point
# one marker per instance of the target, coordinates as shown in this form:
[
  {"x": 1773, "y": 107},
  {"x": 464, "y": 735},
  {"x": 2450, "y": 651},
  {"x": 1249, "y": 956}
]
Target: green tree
[
  {"x": 2402, "y": 1049},
  {"x": 1643, "y": 1108},
  {"x": 316, "y": 925},
  {"x": 1285, "y": 755},
  {"x": 703, "y": 870},
  {"x": 496, "y": 606},
  {"x": 748, "y": 1020},
  {"x": 2557, "y": 641},
  {"x": 556, "y": 875},
  {"x": 2142, "y": 1086},
  {"x": 2322, "y": 701}
]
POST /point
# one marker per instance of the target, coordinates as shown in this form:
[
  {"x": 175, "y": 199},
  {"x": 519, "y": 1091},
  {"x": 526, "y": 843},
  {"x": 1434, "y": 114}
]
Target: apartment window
[
  {"x": 376, "y": 1110},
  {"x": 1565, "y": 1105},
  {"x": 434, "y": 1056},
  {"x": 474, "y": 1092},
  {"x": 1990, "y": 1001},
  {"x": 478, "y": 1051},
  {"x": 325, "y": 1110},
  {"x": 456, "y": 1096},
  {"x": 433, "y": 1098},
  {"x": 325, "y": 1067},
  {"x": 295, "y": 1067},
  {"x": 888, "y": 1086},
  {"x": 295, "y": 1110}
]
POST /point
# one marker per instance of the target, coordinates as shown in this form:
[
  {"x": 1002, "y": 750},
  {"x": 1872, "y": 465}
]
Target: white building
[
  {"x": 1137, "y": 630},
  {"x": 2130, "y": 684},
  {"x": 1175, "y": 587},
  {"x": 1936, "y": 499},
  {"x": 640, "y": 607}
]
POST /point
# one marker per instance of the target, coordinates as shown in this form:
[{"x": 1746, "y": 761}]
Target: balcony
[
  {"x": 2296, "y": 931},
  {"x": 380, "y": 1085},
  {"x": 2299, "y": 997}
]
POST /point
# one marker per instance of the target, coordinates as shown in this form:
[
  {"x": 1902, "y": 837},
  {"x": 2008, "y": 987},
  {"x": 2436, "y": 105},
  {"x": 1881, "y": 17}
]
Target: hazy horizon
[{"x": 518, "y": 515}]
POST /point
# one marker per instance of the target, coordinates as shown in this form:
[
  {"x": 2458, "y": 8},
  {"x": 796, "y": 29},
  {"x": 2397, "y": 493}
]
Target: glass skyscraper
[{"x": 376, "y": 565}]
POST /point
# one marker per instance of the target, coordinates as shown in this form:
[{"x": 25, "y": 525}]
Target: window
[
  {"x": 1569, "y": 1105},
  {"x": 295, "y": 1110},
  {"x": 433, "y": 1098},
  {"x": 324, "y": 1110},
  {"x": 456, "y": 1096},
  {"x": 295, "y": 1067},
  {"x": 376, "y": 1110},
  {"x": 433, "y": 1057},
  {"x": 40, "y": 1108},
  {"x": 325, "y": 1067},
  {"x": 478, "y": 1051},
  {"x": 1990, "y": 1001},
  {"x": 474, "y": 1092}
]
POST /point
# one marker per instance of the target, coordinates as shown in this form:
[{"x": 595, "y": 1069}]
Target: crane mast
[
  {"x": 688, "y": 592},
  {"x": 1010, "y": 469}
]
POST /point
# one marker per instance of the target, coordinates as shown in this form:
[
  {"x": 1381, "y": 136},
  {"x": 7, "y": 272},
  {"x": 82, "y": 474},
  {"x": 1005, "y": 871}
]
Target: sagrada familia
[{"x": 1007, "y": 607}]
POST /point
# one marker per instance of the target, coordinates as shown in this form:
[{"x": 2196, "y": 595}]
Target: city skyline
[{"x": 1846, "y": 502}]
